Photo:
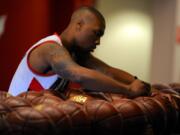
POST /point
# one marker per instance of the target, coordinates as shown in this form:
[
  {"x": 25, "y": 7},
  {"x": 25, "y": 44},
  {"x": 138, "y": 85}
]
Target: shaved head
[
  {"x": 86, "y": 27},
  {"x": 87, "y": 14}
]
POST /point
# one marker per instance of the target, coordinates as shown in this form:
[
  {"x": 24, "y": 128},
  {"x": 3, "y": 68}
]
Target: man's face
[{"x": 89, "y": 34}]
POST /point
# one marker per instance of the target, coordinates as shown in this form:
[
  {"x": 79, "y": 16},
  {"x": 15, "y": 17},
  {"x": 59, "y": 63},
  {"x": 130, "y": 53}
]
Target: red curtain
[
  {"x": 28, "y": 21},
  {"x": 79, "y": 3}
]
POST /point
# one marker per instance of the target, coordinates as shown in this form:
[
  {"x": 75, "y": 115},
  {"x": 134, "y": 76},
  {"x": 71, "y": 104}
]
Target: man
[{"x": 69, "y": 57}]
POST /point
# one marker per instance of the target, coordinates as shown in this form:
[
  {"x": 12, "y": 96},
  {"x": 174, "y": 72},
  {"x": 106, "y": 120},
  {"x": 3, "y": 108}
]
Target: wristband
[{"x": 135, "y": 77}]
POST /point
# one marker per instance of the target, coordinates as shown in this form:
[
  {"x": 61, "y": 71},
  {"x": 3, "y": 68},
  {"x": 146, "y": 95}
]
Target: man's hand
[{"x": 139, "y": 88}]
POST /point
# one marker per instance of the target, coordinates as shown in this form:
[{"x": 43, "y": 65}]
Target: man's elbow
[{"x": 70, "y": 74}]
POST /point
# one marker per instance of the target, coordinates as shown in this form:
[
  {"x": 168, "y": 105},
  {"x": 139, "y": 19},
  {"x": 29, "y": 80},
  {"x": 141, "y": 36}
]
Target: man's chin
[
  {"x": 81, "y": 50},
  {"x": 87, "y": 50},
  {"x": 91, "y": 50}
]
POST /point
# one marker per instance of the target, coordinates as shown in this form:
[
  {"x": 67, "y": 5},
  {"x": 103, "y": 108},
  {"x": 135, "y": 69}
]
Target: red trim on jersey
[
  {"x": 29, "y": 65},
  {"x": 57, "y": 36},
  {"x": 35, "y": 85}
]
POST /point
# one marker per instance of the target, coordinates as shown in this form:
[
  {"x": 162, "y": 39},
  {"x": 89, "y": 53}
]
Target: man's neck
[{"x": 67, "y": 41}]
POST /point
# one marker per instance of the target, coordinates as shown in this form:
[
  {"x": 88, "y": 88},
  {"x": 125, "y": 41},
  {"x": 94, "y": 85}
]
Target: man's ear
[{"x": 79, "y": 25}]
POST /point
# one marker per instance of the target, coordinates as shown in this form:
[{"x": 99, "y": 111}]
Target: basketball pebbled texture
[{"x": 45, "y": 113}]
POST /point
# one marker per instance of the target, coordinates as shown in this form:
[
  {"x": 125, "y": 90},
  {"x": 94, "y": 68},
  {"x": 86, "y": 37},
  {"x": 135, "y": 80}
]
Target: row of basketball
[{"x": 45, "y": 113}]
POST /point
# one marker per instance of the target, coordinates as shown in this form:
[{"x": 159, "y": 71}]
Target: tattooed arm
[
  {"x": 55, "y": 58},
  {"x": 117, "y": 74},
  {"x": 58, "y": 60}
]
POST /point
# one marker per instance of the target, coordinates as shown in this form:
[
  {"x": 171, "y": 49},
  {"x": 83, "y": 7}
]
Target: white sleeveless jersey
[{"x": 25, "y": 78}]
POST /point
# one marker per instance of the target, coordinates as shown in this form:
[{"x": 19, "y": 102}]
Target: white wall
[
  {"x": 127, "y": 41},
  {"x": 163, "y": 41}
]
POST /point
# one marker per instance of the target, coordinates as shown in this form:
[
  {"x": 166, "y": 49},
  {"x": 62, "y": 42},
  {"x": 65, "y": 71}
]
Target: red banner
[{"x": 79, "y": 3}]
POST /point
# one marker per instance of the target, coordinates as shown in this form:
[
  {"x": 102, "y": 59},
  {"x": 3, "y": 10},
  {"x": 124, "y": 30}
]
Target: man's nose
[{"x": 97, "y": 42}]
